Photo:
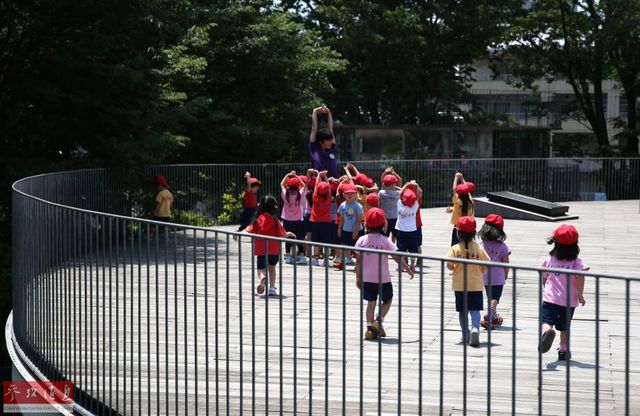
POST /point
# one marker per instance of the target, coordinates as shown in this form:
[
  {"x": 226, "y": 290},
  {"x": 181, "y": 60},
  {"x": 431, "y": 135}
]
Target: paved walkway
[{"x": 203, "y": 342}]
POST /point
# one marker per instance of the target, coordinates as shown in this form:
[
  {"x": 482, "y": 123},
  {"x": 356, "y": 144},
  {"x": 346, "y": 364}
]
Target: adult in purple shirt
[{"x": 322, "y": 147}]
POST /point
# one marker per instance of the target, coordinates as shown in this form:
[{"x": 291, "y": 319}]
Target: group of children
[{"x": 328, "y": 210}]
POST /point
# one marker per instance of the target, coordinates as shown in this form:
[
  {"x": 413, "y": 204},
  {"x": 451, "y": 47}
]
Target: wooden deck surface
[{"x": 194, "y": 339}]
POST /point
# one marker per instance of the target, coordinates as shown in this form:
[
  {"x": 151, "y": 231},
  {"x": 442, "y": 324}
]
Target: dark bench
[{"x": 527, "y": 203}]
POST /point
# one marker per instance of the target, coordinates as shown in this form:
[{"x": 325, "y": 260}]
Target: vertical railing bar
[
  {"x": 241, "y": 327},
  {"x": 176, "y": 319},
  {"x": 216, "y": 277},
  {"x": 195, "y": 321},
  {"x": 420, "y": 337},
  {"x": 186, "y": 321},
  {"x": 568, "y": 330},
  {"x": 253, "y": 328},
  {"x": 513, "y": 346},
  {"x": 166, "y": 317},
  {"x": 540, "y": 284},
  {"x": 206, "y": 320},
  {"x": 465, "y": 311},
  {"x": 157, "y": 320},
  {"x": 399, "y": 339},
  {"x": 627, "y": 334},
  {"x": 344, "y": 341},
  {"x": 148, "y": 273},
  {"x": 441, "y": 389},
  {"x": 326, "y": 332},
  {"x": 597, "y": 340}
]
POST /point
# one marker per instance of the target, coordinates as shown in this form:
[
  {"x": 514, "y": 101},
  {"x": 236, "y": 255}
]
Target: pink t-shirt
[
  {"x": 496, "y": 251},
  {"x": 291, "y": 208},
  {"x": 372, "y": 262},
  {"x": 555, "y": 284}
]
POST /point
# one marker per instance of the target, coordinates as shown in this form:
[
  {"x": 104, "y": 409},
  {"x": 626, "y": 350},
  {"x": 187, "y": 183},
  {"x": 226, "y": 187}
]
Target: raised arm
[
  {"x": 314, "y": 121},
  {"x": 284, "y": 179},
  {"x": 247, "y": 178},
  {"x": 457, "y": 180},
  {"x": 329, "y": 118}
]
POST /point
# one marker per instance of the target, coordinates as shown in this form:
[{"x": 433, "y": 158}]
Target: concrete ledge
[{"x": 483, "y": 207}]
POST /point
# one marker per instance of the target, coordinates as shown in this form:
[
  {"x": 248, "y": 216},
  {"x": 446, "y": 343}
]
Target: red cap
[
  {"x": 311, "y": 182},
  {"x": 333, "y": 186},
  {"x": 413, "y": 187},
  {"x": 471, "y": 187},
  {"x": 303, "y": 178},
  {"x": 389, "y": 179},
  {"x": 323, "y": 188},
  {"x": 161, "y": 180},
  {"x": 364, "y": 180},
  {"x": 373, "y": 200},
  {"x": 253, "y": 181},
  {"x": 466, "y": 225},
  {"x": 347, "y": 187},
  {"x": 293, "y": 183},
  {"x": 566, "y": 235},
  {"x": 496, "y": 220},
  {"x": 408, "y": 197},
  {"x": 374, "y": 218},
  {"x": 463, "y": 189}
]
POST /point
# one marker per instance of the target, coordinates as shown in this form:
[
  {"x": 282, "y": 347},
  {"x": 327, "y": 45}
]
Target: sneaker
[
  {"x": 370, "y": 335},
  {"x": 564, "y": 355},
  {"x": 378, "y": 328},
  {"x": 235, "y": 237},
  {"x": 273, "y": 291},
  {"x": 485, "y": 322},
  {"x": 475, "y": 337},
  {"x": 349, "y": 261},
  {"x": 315, "y": 261},
  {"x": 497, "y": 320},
  {"x": 288, "y": 259},
  {"x": 301, "y": 260},
  {"x": 546, "y": 340},
  {"x": 260, "y": 287}
]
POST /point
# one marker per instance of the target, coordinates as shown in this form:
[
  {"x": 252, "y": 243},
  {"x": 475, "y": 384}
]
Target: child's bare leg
[
  {"x": 371, "y": 308},
  {"x": 272, "y": 275},
  {"x": 546, "y": 327},
  {"x": 494, "y": 304},
  {"x": 384, "y": 308}
]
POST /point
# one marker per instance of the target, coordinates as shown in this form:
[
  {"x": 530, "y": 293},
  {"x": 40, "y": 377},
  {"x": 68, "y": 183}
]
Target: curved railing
[{"x": 156, "y": 318}]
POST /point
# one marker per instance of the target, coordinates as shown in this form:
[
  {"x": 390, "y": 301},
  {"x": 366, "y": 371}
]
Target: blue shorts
[
  {"x": 261, "y": 262},
  {"x": 408, "y": 241},
  {"x": 323, "y": 232},
  {"x": 246, "y": 217},
  {"x": 391, "y": 227},
  {"x": 556, "y": 315},
  {"x": 370, "y": 291},
  {"x": 474, "y": 301},
  {"x": 347, "y": 239},
  {"x": 307, "y": 223},
  {"x": 496, "y": 291}
]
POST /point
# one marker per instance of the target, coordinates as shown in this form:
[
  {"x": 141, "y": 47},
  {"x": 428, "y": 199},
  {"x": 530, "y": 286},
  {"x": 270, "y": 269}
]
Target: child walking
[
  {"x": 555, "y": 310},
  {"x": 406, "y": 225},
  {"x": 266, "y": 223},
  {"x": 350, "y": 217},
  {"x": 467, "y": 248},
  {"x": 372, "y": 272},
  {"x": 292, "y": 193},
  {"x": 493, "y": 236},
  {"x": 462, "y": 202},
  {"x": 249, "y": 201}
]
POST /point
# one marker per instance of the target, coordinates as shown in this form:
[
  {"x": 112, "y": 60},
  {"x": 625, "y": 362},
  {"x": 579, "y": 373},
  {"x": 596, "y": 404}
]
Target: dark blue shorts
[
  {"x": 391, "y": 227},
  {"x": 296, "y": 227},
  {"x": 323, "y": 232},
  {"x": 307, "y": 223},
  {"x": 347, "y": 239},
  {"x": 408, "y": 241},
  {"x": 474, "y": 301},
  {"x": 336, "y": 240},
  {"x": 556, "y": 315},
  {"x": 370, "y": 291},
  {"x": 246, "y": 217},
  {"x": 496, "y": 291},
  {"x": 261, "y": 261}
]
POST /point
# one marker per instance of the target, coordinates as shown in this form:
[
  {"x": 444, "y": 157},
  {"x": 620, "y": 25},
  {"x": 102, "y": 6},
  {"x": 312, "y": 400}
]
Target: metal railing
[{"x": 155, "y": 318}]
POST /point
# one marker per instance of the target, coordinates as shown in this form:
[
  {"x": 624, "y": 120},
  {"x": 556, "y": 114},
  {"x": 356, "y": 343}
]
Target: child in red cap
[
  {"x": 350, "y": 217},
  {"x": 389, "y": 196},
  {"x": 493, "y": 236},
  {"x": 249, "y": 201},
  {"x": 292, "y": 193},
  {"x": 372, "y": 271},
  {"x": 322, "y": 228},
  {"x": 556, "y": 312},
  {"x": 462, "y": 202},
  {"x": 164, "y": 200},
  {"x": 265, "y": 222},
  {"x": 406, "y": 225},
  {"x": 363, "y": 183},
  {"x": 467, "y": 280}
]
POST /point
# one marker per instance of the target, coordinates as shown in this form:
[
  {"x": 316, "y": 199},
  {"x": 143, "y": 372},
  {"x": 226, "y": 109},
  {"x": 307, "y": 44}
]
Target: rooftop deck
[{"x": 195, "y": 331}]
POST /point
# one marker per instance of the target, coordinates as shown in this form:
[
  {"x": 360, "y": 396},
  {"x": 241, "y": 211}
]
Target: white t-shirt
[{"x": 407, "y": 217}]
